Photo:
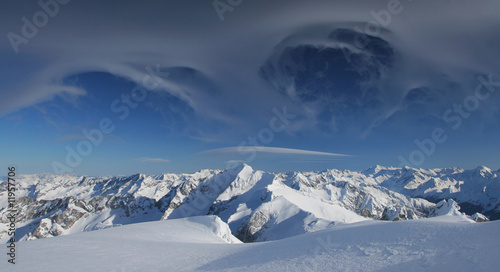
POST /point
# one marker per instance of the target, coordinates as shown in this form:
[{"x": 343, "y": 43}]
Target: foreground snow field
[{"x": 444, "y": 243}]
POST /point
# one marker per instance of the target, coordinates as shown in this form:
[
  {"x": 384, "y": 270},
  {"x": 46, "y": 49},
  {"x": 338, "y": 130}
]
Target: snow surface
[{"x": 443, "y": 243}]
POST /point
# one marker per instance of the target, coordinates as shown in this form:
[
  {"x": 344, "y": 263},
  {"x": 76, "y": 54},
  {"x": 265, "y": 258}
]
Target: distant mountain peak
[
  {"x": 483, "y": 168},
  {"x": 238, "y": 168},
  {"x": 446, "y": 207}
]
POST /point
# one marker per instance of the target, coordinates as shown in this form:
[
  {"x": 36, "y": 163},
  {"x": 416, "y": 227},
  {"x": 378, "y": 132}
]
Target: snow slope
[{"x": 443, "y": 243}]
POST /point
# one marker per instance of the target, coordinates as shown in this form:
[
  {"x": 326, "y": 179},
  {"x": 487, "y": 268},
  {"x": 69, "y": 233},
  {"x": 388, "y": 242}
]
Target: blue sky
[{"x": 186, "y": 85}]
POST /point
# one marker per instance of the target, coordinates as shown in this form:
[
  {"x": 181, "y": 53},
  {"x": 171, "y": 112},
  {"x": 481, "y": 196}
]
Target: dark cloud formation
[
  {"x": 338, "y": 72},
  {"x": 433, "y": 37}
]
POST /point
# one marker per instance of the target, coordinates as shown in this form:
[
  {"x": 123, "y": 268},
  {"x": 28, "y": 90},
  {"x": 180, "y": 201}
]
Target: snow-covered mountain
[
  {"x": 257, "y": 206},
  {"x": 476, "y": 190}
]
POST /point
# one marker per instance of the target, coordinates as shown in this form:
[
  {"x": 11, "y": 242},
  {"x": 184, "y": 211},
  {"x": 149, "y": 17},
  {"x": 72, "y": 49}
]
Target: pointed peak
[
  {"x": 137, "y": 176},
  {"x": 446, "y": 207},
  {"x": 372, "y": 170},
  {"x": 410, "y": 169},
  {"x": 377, "y": 169},
  {"x": 482, "y": 168},
  {"x": 481, "y": 171},
  {"x": 238, "y": 167},
  {"x": 406, "y": 168},
  {"x": 247, "y": 167}
]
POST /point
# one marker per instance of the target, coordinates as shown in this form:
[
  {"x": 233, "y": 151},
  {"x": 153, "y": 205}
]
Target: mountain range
[{"x": 256, "y": 205}]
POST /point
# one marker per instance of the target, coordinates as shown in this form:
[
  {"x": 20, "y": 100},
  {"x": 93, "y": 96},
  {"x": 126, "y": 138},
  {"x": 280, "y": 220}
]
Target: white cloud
[
  {"x": 152, "y": 160},
  {"x": 267, "y": 149}
]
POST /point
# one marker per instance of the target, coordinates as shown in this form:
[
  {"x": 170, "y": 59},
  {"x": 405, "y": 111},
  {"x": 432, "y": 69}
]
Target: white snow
[
  {"x": 443, "y": 243},
  {"x": 445, "y": 207}
]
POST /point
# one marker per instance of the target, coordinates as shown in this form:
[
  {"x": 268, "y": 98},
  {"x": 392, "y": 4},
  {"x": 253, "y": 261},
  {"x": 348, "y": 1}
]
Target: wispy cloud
[
  {"x": 152, "y": 160},
  {"x": 235, "y": 161},
  {"x": 309, "y": 161},
  {"x": 267, "y": 149}
]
